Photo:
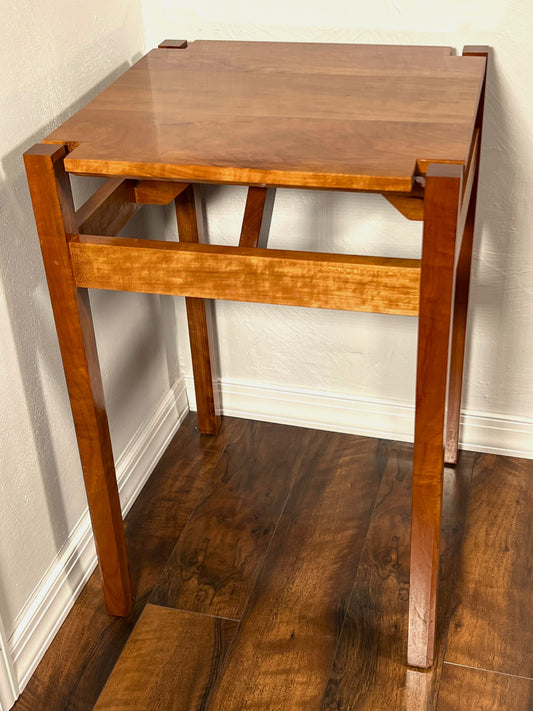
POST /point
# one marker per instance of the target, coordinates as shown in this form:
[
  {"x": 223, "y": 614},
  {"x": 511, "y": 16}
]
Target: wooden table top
[{"x": 345, "y": 117}]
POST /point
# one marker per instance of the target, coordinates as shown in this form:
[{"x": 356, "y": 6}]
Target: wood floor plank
[
  {"x": 216, "y": 560},
  {"x": 285, "y": 643},
  {"x": 491, "y": 626},
  {"x": 84, "y": 651},
  {"x": 181, "y": 475},
  {"x": 465, "y": 688},
  {"x": 169, "y": 663},
  {"x": 281, "y": 656},
  {"x": 369, "y": 672}
]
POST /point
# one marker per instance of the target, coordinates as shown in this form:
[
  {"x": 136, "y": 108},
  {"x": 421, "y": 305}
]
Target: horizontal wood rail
[
  {"x": 109, "y": 209},
  {"x": 331, "y": 281},
  {"x": 158, "y": 192},
  {"x": 411, "y": 205},
  {"x": 118, "y": 199}
]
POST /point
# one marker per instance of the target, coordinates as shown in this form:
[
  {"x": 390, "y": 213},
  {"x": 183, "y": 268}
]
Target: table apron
[{"x": 330, "y": 281}]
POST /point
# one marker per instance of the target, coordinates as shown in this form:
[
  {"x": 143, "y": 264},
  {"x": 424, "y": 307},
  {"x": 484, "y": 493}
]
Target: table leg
[
  {"x": 462, "y": 289},
  {"x": 257, "y": 217},
  {"x": 199, "y": 317},
  {"x": 461, "y": 298},
  {"x": 54, "y": 216},
  {"x": 441, "y": 206}
]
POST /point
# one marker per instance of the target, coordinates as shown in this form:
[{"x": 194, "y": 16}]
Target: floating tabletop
[{"x": 352, "y": 117}]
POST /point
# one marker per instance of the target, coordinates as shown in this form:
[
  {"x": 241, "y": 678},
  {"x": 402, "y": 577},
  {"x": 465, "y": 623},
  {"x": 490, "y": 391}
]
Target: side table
[{"x": 401, "y": 121}]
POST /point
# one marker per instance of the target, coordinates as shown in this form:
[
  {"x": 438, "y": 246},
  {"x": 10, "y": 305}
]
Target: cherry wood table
[{"x": 401, "y": 121}]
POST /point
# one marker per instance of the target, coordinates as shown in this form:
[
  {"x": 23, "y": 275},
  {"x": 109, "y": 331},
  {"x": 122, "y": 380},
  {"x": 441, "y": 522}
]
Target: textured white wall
[
  {"x": 54, "y": 56},
  {"x": 370, "y": 356}
]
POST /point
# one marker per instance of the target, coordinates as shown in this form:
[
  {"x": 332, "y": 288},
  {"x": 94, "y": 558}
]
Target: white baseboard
[
  {"x": 53, "y": 598},
  {"x": 8, "y": 680},
  {"x": 480, "y": 431}
]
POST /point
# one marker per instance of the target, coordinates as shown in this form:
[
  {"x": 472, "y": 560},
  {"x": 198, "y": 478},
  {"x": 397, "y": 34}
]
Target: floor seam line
[
  {"x": 193, "y": 612},
  {"x": 349, "y": 599},
  {"x": 239, "y": 621},
  {"x": 489, "y": 671}
]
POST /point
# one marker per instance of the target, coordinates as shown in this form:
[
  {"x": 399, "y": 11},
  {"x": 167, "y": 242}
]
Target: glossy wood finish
[
  {"x": 114, "y": 203},
  {"x": 350, "y": 117},
  {"x": 491, "y": 629},
  {"x": 284, "y": 646},
  {"x": 157, "y": 192},
  {"x": 169, "y": 650},
  {"x": 369, "y": 670},
  {"x": 457, "y": 352},
  {"x": 441, "y": 206},
  {"x": 82, "y": 655},
  {"x": 470, "y": 174},
  {"x": 200, "y": 320},
  {"x": 464, "y": 688},
  {"x": 409, "y": 205},
  {"x": 109, "y": 209},
  {"x": 54, "y": 216},
  {"x": 219, "y": 554},
  {"x": 327, "y": 116},
  {"x": 256, "y": 221},
  {"x": 332, "y": 281},
  {"x": 462, "y": 287}
]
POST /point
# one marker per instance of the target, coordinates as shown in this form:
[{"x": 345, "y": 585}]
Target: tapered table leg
[
  {"x": 200, "y": 327},
  {"x": 441, "y": 206},
  {"x": 54, "y": 216},
  {"x": 457, "y": 354},
  {"x": 462, "y": 289}
]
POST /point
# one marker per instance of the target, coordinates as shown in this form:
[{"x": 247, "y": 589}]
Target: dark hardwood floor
[{"x": 271, "y": 573}]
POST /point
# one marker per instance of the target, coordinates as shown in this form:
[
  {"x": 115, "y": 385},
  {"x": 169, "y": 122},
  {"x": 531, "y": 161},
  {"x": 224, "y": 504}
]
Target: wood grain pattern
[
  {"x": 409, "y": 205},
  {"x": 324, "y": 116},
  {"x": 463, "y": 688},
  {"x": 81, "y": 657},
  {"x": 218, "y": 556},
  {"x": 349, "y": 117},
  {"x": 255, "y": 220},
  {"x": 334, "y": 281},
  {"x": 491, "y": 625},
  {"x": 109, "y": 209},
  {"x": 462, "y": 283},
  {"x": 458, "y": 342},
  {"x": 470, "y": 175},
  {"x": 369, "y": 671},
  {"x": 441, "y": 208},
  {"x": 54, "y": 216},
  {"x": 157, "y": 192},
  {"x": 173, "y": 490},
  {"x": 170, "y": 662},
  {"x": 201, "y": 326},
  {"x": 285, "y": 643}
]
